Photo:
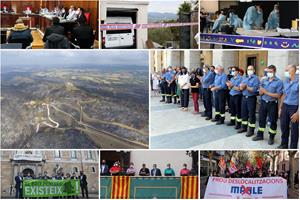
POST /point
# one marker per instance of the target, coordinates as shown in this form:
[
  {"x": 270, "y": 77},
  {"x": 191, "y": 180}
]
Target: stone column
[
  {"x": 192, "y": 59},
  {"x": 225, "y": 58}
]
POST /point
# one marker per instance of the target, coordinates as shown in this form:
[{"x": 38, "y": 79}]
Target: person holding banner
[{"x": 18, "y": 185}]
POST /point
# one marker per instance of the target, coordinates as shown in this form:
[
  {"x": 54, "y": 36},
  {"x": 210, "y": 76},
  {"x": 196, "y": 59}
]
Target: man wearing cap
[{"x": 270, "y": 91}]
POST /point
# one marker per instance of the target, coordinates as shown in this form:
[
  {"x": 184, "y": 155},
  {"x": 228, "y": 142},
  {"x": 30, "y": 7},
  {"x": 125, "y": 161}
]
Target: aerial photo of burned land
[{"x": 59, "y": 99}]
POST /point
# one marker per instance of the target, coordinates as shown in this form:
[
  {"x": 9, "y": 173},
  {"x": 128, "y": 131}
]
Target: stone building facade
[{"x": 37, "y": 162}]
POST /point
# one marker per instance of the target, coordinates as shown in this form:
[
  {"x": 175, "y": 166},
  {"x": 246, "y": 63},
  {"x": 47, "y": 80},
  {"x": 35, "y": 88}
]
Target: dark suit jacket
[
  {"x": 83, "y": 36},
  {"x": 81, "y": 18},
  {"x": 105, "y": 170},
  {"x": 53, "y": 29},
  {"x": 157, "y": 173},
  {"x": 83, "y": 181},
  {"x": 18, "y": 180}
]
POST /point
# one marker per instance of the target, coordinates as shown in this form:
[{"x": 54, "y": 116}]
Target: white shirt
[
  {"x": 184, "y": 79},
  {"x": 72, "y": 15}
]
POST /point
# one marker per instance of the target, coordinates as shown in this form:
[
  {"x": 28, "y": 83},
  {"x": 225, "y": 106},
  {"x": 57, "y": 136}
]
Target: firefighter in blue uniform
[
  {"x": 170, "y": 84},
  {"x": 289, "y": 109},
  {"x": 219, "y": 87},
  {"x": 249, "y": 86},
  {"x": 235, "y": 98},
  {"x": 270, "y": 92},
  {"x": 208, "y": 79},
  {"x": 163, "y": 85}
]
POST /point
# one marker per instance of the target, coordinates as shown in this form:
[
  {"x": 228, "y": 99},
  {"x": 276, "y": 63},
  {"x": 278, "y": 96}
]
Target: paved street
[{"x": 174, "y": 129}]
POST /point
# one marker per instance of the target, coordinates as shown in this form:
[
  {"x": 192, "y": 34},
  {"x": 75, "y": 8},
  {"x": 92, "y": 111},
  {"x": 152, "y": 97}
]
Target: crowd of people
[
  {"x": 118, "y": 170},
  {"x": 55, "y": 36},
  {"x": 239, "y": 91},
  {"x": 55, "y": 176},
  {"x": 253, "y": 19}
]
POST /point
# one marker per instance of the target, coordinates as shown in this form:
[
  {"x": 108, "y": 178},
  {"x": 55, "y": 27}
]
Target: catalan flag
[
  {"x": 120, "y": 187},
  {"x": 189, "y": 187}
]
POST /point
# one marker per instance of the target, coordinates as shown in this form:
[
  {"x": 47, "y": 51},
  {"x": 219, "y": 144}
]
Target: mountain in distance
[{"x": 157, "y": 16}]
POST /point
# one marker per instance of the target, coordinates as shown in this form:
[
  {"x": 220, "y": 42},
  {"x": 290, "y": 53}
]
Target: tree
[
  {"x": 185, "y": 7},
  {"x": 291, "y": 168}
]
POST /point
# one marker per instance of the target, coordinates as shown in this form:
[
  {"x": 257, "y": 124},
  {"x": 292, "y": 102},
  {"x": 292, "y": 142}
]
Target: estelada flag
[
  {"x": 232, "y": 168},
  {"x": 222, "y": 163},
  {"x": 189, "y": 187},
  {"x": 248, "y": 165},
  {"x": 258, "y": 163},
  {"x": 120, "y": 187}
]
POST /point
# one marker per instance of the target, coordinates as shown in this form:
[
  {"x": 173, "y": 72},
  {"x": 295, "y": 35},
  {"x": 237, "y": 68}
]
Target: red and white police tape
[{"x": 105, "y": 27}]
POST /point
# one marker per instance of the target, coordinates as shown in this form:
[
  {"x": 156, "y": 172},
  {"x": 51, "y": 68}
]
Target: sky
[
  {"x": 57, "y": 58},
  {"x": 164, "y": 5}
]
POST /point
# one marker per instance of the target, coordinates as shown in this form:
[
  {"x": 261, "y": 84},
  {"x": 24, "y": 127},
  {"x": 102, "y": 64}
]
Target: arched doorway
[{"x": 28, "y": 170}]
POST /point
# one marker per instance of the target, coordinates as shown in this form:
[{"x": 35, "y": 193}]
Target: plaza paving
[{"x": 174, "y": 129}]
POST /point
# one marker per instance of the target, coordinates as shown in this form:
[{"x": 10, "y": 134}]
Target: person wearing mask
[
  {"x": 104, "y": 170},
  {"x": 169, "y": 171},
  {"x": 289, "y": 109},
  {"x": 144, "y": 171},
  {"x": 235, "y": 98},
  {"x": 170, "y": 85},
  {"x": 18, "y": 185},
  {"x": 155, "y": 171},
  {"x": 203, "y": 19},
  {"x": 20, "y": 34},
  {"x": 55, "y": 28},
  {"x": 83, "y": 185},
  {"x": 71, "y": 14},
  {"x": 116, "y": 169},
  {"x": 273, "y": 19},
  {"x": 131, "y": 170},
  {"x": 221, "y": 18},
  {"x": 253, "y": 17},
  {"x": 219, "y": 88},
  {"x": 195, "y": 84},
  {"x": 184, "y": 171},
  {"x": 163, "y": 85},
  {"x": 208, "y": 79},
  {"x": 234, "y": 20},
  {"x": 46, "y": 177},
  {"x": 249, "y": 88},
  {"x": 270, "y": 92},
  {"x": 184, "y": 84}
]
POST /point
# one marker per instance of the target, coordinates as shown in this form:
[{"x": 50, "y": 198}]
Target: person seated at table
[
  {"x": 184, "y": 171},
  {"x": 28, "y": 10},
  {"x": 273, "y": 19},
  {"x": 20, "y": 34},
  {"x": 144, "y": 171},
  {"x": 72, "y": 14},
  {"x": 221, "y": 18},
  {"x": 4, "y": 9},
  {"x": 169, "y": 171},
  {"x": 80, "y": 15},
  {"x": 55, "y": 28},
  {"x": 43, "y": 11},
  {"x": 82, "y": 35}
]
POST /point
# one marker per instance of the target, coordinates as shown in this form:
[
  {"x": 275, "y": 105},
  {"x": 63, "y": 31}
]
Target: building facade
[{"x": 35, "y": 162}]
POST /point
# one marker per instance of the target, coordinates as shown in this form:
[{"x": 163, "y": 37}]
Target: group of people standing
[
  {"x": 118, "y": 170},
  {"x": 277, "y": 98},
  {"x": 55, "y": 176}
]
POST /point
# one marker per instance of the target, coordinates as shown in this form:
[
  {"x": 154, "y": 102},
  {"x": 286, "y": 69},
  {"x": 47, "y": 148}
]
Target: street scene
[
  {"x": 249, "y": 174},
  {"x": 146, "y": 174},
  {"x": 149, "y": 24},
  {"x": 191, "y": 108},
  {"x": 36, "y": 174}
]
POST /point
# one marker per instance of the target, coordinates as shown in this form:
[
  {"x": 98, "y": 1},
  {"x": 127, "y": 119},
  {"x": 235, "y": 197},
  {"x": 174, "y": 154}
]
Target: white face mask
[
  {"x": 77, "y": 12},
  {"x": 270, "y": 74},
  {"x": 216, "y": 71},
  {"x": 297, "y": 71},
  {"x": 287, "y": 74},
  {"x": 250, "y": 72},
  {"x": 204, "y": 70}
]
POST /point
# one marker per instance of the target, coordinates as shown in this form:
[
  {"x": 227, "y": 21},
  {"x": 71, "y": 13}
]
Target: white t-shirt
[{"x": 184, "y": 79}]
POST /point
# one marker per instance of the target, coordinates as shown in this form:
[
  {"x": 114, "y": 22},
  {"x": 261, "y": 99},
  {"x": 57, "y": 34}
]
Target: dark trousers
[
  {"x": 227, "y": 96},
  {"x": 207, "y": 102},
  {"x": 220, "y": 105},
  {"x": 248, "y": 112},
  {"x": 270, "y": 110},
  {"x": 184, "y": 99},
  {"x": 173, "y": 91},
  {"x": 163, "y": 90},
  {"x": 235, "y": 108},
  {"x": 84, "y": 189},
  {"x": 168, "y": 93},
  {"x": 195, "y": 96},
  {"x": 285, "y": 122},
  {"x": 18, "y": 193}
]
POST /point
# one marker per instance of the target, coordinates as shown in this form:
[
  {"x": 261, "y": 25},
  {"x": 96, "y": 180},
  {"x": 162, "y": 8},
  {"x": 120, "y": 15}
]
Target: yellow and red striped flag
[
  {"x": 189, "y": 187},
  {"x": 120, "y": 187}
]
